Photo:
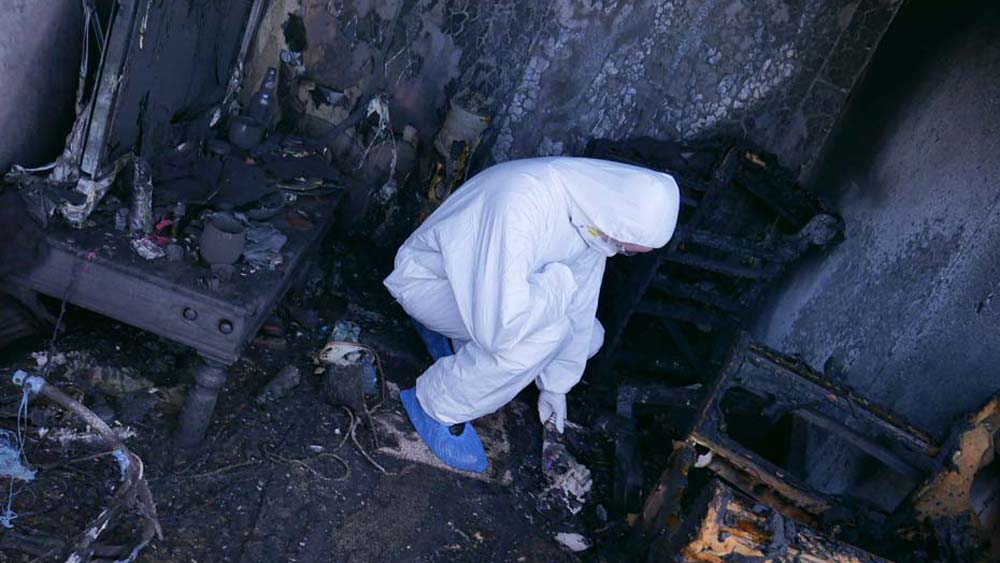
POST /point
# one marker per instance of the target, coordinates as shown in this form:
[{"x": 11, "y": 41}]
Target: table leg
[{"x": 209, "y": 378}]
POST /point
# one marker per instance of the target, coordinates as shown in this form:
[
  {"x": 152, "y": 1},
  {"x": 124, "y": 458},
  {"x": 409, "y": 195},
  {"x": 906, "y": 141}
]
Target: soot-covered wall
[
  {"x": 905, "y": 310},
  {"x": 560, "y": 72},
  {"x": 39, "y": 61}
]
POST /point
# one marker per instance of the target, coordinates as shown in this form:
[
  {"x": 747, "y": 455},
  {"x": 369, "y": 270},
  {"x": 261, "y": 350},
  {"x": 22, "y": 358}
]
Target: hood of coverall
[{"x": 628, "y": 203}]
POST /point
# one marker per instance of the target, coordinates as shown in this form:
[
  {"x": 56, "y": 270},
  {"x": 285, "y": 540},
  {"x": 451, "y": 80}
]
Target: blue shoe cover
[
  {"x": 438, "y": 345},
  {"x": 464, "y": 452}
]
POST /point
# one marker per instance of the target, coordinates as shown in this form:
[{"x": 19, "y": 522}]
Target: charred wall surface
[
  {"x": 560, "y": 72},
  {"x": 905, "y": 309},
  {"x": 39, "y": 56}
]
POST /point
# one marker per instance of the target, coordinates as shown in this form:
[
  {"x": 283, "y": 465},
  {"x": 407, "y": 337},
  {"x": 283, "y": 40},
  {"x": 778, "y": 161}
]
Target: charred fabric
[{"x": 189, "y": 210}]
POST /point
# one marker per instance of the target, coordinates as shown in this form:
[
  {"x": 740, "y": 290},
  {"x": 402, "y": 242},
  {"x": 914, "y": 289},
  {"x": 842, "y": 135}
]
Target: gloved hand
[{"x": 552, "y": 406}]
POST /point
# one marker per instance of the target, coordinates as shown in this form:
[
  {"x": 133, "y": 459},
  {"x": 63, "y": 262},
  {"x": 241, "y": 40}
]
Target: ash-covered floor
[{"x": 284, "y": 481}]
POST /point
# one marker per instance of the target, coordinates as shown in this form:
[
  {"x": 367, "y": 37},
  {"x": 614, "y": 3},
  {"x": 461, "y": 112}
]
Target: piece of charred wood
[
  {"x": 960, "y": 502},
  {"x": 763, "y": 475},
  {"x": 797, "y": 379},
  {"x": 725, "y": 526},
  {"x": 794, "y": 388},
  {"x": 662, "y": 514},
  {"x": 628, "y": 479}
]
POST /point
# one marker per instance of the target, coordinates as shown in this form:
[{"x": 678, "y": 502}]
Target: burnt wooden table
[{"x": 96, "y": 269}]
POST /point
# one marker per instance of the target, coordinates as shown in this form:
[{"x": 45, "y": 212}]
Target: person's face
[
  {"x": 625, "y": 248},
  {"x": 629, "y": 249}
]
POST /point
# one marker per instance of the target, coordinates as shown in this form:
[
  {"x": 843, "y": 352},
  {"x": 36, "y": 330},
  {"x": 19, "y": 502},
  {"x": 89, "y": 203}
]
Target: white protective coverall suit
[{"x": 509, "y": 269}]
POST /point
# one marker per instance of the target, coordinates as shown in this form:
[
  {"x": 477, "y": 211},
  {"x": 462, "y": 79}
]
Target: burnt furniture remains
[
  {"x": 743, "y": 220},
  {"x": 181, "y": 300},
  {"x": 724, "y": 525},
  {"x": 945, "y": 491},
  {"x": 156, "y": 87}
]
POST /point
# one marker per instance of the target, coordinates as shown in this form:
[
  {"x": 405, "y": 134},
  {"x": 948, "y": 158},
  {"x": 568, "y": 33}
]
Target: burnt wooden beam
[
  {"x": 843, "y": 398},
  {"x": 681, "y": 290},
  {"x": 626, "y": 490},
  {"x": 628, "y": 477},
  {"x": 631, "y": 394},
  {"x": 720, "y": 266},
  {"x": 682, "y": 344},
  {"x": 863, "y": 443},
  {"x": 683, "y": 312},
  {"x": 621, "y": 310},
  {"x": 723, "y": 526},
  {"x": 662, "y": 513},
  {"x": 820, "y": 230},
  {"x": 760, "y": 174},
  {"x": 644, "y": 361},
  {"x": 764, "y": 472},
  {"x": 739, "y": 246},
  {"x": 748, "y": 484}
]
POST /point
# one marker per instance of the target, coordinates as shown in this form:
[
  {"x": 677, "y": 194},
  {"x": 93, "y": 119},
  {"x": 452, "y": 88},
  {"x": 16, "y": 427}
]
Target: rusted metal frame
[
  {"x": 845, "y": 399},
  {"x": 680, "y": 290}
]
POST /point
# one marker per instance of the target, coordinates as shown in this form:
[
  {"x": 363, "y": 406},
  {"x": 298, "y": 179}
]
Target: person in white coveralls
[{"x": 502, "y": 282}]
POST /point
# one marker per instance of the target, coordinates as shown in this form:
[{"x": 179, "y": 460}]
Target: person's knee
[
  {"x": 596, "y": 339},
  {"x": 537, "y": 348}
]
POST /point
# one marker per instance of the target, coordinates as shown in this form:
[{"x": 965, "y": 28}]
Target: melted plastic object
[
  {"x": 343, "y": 350},
  {"x": 11, "y": 465}
]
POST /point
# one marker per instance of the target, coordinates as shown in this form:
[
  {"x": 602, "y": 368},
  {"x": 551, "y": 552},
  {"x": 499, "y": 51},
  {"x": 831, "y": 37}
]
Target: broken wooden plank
[
  {"x": 661, "y": 515},
  {"x": 765, "y": 473}
]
